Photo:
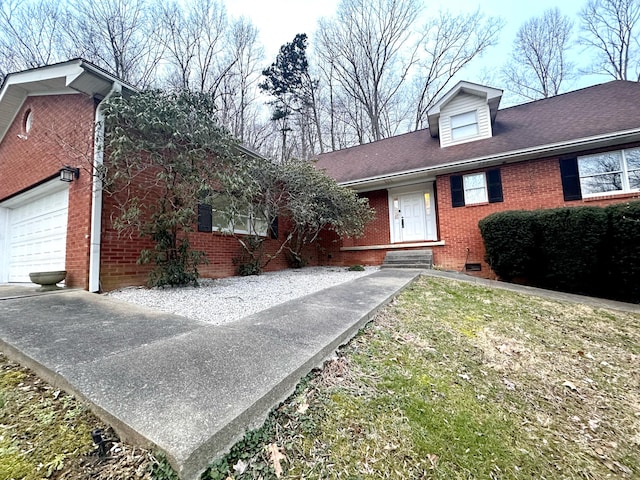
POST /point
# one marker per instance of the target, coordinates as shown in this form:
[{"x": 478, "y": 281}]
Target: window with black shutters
[{"x": 476, "y": 188}]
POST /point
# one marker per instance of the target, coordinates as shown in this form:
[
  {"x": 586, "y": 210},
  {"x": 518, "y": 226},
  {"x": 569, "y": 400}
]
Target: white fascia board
[
  {"x": 59, "y": 70},
  {"x": 488, "y": 93},
  {"x": 72, "y": 76},
  {"x": 107, "y": 77},
  {"x": 69, "y": 77},
  {"x": 17, "y": 86},
  {"x": 560, "y": 148}
]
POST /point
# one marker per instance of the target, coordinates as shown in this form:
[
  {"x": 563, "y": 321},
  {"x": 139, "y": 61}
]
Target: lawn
[
  {"x": 451, "y": 381},
  {"x": 45, "y": 433},
  {"x": 457, "y": 381}
]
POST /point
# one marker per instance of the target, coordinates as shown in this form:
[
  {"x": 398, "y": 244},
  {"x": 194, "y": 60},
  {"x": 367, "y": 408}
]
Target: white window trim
[
  {"x": 485, "y": 199},
  {"x": 624, "y": 171},
  {"x": 467, "y": 119}
]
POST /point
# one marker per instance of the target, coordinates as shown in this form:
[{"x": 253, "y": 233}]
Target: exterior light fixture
[{"x": 67, "y": 174}]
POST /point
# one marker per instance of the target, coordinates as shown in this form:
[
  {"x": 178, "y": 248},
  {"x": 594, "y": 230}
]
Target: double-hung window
[
  {"x": 476, "y": 188},
  {"x": 464, "y": 125},
  {"x": 610, "y": 172}
]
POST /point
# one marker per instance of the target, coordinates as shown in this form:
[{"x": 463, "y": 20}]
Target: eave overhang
[
  {"x": 73, "y": 76},
  {"x": 542, "y": 151}
]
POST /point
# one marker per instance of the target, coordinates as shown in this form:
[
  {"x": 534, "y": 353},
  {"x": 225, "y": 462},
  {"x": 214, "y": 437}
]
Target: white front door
[{"x": 412, "y": 215}]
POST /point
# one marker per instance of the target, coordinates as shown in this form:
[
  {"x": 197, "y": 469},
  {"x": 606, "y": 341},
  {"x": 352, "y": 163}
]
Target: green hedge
[
  {"x": 588, "y": 250},
  {"x": 509, "y": 239},
  {"x": 623, "y": 244}
]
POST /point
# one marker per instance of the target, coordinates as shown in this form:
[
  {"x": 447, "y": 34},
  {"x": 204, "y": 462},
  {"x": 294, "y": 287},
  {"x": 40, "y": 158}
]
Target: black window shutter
[
  {"x": 457, "y": 191},
  {"x": 494, "y": 186},
  {"x": 205, "y": 218},
  {"x": 570, "y": 179},
  {"x": 273, "y": 228}
]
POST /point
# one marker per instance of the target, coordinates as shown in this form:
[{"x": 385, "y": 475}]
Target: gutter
[
  {"x": 513, "y": 156},
  {"x": 96, "y": 192}
]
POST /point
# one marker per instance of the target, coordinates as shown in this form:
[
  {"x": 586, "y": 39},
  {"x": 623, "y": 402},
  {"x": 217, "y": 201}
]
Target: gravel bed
[{"x": 224, "y": 300}]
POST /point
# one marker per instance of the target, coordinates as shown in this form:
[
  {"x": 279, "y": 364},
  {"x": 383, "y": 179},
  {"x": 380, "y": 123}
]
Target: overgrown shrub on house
[
  {"x": 588, "y": 250},
  {"x": 295, "y": 190},
  {"x": 167, "y": 155},
  {"x": 163, "y": 149}
]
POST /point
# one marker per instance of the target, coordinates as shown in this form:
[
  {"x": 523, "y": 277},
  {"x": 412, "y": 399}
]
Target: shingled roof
[{"x": 608, "y": 112}]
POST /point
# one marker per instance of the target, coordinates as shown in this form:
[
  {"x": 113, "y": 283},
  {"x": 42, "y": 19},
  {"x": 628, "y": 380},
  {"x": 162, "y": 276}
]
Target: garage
[{"x": 36, "y": 231}]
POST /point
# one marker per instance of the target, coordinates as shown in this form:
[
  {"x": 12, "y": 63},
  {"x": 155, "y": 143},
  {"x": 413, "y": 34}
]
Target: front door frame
[{"x": 429, "y": 211}]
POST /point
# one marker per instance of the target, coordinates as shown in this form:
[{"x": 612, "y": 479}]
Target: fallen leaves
[
  {"x": 276, "y": 456},
  {"x": 303, "y": 407},
  {"x": 509, "y": 384}
]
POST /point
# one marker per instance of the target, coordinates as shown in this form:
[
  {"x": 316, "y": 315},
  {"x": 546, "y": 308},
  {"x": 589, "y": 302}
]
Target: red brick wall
[
  {"x": 526, "y": 185},
  {"x": 119, "y": 253},
  {"x": 377, "y": 231},
  {"x": 61, "y": 134}
]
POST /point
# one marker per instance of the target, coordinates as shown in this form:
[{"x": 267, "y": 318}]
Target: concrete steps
[{"x": 408, "y": 259}]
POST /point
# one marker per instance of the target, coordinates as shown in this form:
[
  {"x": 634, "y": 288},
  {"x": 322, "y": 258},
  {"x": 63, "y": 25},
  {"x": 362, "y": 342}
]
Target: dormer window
[
  {"x": 464, "y": 125},
  {"x": 465, "y": 114}
]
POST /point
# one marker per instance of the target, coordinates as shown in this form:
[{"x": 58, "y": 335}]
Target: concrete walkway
[{"x": 187, "y": 387}]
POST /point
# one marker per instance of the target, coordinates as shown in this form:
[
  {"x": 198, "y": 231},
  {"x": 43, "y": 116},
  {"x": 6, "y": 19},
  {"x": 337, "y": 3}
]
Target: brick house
[
  {"x": 431, "y": 187},
  {"x": 49, "y": 119}
]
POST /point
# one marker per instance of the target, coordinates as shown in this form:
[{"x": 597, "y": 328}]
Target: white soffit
[{"x": 73, "y": 76}]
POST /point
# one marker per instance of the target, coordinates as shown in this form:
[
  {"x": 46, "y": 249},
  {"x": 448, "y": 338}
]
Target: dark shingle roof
[{"x": 601, "y": 109}]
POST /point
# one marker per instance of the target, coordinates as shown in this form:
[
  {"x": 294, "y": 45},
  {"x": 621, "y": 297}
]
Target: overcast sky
[{"x": 280, "y": 20}]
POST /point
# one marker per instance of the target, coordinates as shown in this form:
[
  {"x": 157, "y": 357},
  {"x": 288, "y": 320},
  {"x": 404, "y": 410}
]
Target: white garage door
[{"x": 38, "y": 235}]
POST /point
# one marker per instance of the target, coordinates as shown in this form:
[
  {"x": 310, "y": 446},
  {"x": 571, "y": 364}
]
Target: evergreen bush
[
  {"x": 587, "y": 250},
  {"x": 509, "y": 239},
  {"x": 623, "y": 251}
]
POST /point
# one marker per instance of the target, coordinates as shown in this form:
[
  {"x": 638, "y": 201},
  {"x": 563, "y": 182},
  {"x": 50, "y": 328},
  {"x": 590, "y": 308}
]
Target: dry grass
[
  {"x": 456, "y": 381},
  {"x": 45, "y": 433}
]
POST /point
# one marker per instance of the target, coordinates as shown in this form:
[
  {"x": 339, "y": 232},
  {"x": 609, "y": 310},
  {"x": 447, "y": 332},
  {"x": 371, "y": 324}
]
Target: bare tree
[
  {"x": 238, "y": 100},
  {"x": 210, "y": 18},
  {"x": 193, "y": 37},
  {"x": 539, "y": 64},
  {"x": 610, "y": 27},
  {"x": 179, "y": 38},
  {"x": 448, "y": 45},
  {"x": 31, "y": 34},
  {"x": 117, "y": 35},
  {"x": 365, "y": 42}
]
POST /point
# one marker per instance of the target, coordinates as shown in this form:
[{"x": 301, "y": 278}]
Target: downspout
[{"x": 96, "y": 191}]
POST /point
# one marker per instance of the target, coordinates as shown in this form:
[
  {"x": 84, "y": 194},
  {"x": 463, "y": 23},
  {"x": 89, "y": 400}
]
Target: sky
[{"x": 280, "y": 20}]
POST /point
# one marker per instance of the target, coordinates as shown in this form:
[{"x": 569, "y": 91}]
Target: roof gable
[
  {"x": 73, "y": 76},
  {"x": 490, "y": 95}
]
